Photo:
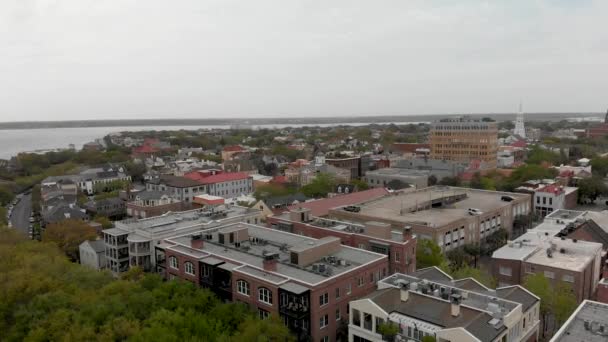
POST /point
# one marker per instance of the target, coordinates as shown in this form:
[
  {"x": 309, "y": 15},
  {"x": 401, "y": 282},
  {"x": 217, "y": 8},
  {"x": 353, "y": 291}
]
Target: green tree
[
  {"x": 564, "y": 302},
  {"x": 104, "y": 221},
  {"x": 266, "y": 191},
  {"x": 599, "y": 166},
  {"x": 451, "y": 181},
  {"x": 475, "y": 273},
  {"x": 432, "y": 180},
  {"x": 320, "y": 186},
  {"x": 473, "y": 250},
  {"x": 428, "y": 254},
  {"x": 49, "y": 298},
  {"x": 591, "y": 188},
  {"x": 541, "y": 287},
  {"x": 68, "y": 235},
  {"x": 361, "y": 185},
  {"x": 388, "y": 330},
  {"x": 6, "y": 195}
]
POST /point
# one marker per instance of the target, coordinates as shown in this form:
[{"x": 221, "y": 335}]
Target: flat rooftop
[
  {"x": 585, "y": 324},
  {"x": 565, "y": 254},
  {"x": 175, "y": 221},
  {"x": 434, "y": 206},
  {"x": 342, "y": 226},
  {"x": 263, "y": 241},
  {"x": 398, "y": 172}
]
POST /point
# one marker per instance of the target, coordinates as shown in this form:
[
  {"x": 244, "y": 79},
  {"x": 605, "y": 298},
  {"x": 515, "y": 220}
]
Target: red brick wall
[
  {"x": 180, "y": 272},
  {"x": 570, "y": 200}
]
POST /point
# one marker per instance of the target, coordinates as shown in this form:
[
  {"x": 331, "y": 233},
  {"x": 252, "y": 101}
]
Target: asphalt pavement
[{"x": 20, "y": 218}]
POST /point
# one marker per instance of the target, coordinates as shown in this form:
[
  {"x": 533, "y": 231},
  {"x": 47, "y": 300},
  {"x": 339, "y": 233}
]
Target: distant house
[
  {"x": 62, "y": 212},
  {"x": 113, "y": 208},
  {"x": 229, "y": 151},
  {"x": 152, "y": 203},
  {"x": 181, "y": 188},
  {"x": 92, "y": 254}
]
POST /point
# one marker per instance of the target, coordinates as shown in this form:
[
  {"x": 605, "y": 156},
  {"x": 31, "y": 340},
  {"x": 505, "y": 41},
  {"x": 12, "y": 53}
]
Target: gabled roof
[
  {"x": 433, "y": 273},
  {"x": 518, "y": 294},
  {"x": 321, "y": 207}
]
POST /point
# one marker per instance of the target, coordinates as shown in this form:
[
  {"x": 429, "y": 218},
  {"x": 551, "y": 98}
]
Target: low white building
[{"x": 92, "y": 254}]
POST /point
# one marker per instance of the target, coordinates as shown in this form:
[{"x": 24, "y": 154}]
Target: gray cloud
[{"x": 88, "y": 59}]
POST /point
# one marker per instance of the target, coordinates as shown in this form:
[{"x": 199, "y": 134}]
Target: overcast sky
[{"x": 102, "y": 59}]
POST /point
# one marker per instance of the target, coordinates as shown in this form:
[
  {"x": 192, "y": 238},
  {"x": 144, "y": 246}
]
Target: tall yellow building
[{"x": 464, "y": 139}]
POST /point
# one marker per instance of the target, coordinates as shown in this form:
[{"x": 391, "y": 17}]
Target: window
[
  {"x": 379, "y": 321},
  {"x": 242, "y": 287},
  {"x": 189, "y": 268},
  {"x": 360, "y": 281},
  {"x": 323, "y": 299},
  {"x": 367, "y": 321},
  {"x": 356, "y": 319},
  {"x": 361, "y": 246},
  {"x": 323, "y": 321},
  {"x": 397, "y": 257},
  {"x": 506, "y": 271},
  {"x": 173, "y": 262},
  {"x": 325, "y": 339},
  {"x": 263, "y": 314},
  {"x": 337, "y": 292},
  {"x": 550, "y": 201},
  {"x": 549, "y": 274},
  {"x": 338, "y": 315},
  {"x": 206, "y": 271},
  {"x": 264, "y": 295},
  {"x": 568, "y": 278},
  {"x": 349, "y": 288}
]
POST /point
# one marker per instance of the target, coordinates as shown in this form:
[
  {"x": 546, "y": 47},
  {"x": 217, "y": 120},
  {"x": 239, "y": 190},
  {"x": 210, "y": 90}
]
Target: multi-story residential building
[
  {"x": 132, "y": 241},
  {"x": 450, "y": 216},
  {"x": 306, "y": 282},
  {"x": 153, "y": 203},
  {"x": 181, "y": 188},
  {"x": 588, "y": 323},
  {"x": 550, "y": 198},
  {"x": 113, "y": 208},
  {"x": 88, "y": 180},
  {"x": 228, "y": 185},
  {"x": 464, "y": 139},
  {"x": 384, "y": 177},
  {"x": 398, "y": 245},
  {"x": 445, "y": 309},
  {"x": 545, "y": 250}
]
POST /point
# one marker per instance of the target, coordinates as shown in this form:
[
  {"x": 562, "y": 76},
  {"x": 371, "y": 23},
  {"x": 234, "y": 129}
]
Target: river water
[{"x": 14, "y": 141}]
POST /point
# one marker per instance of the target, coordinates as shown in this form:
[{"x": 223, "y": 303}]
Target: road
[{"x": 20, "y": 218}]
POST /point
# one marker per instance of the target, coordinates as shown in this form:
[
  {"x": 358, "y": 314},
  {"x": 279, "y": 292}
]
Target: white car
[{"x": 475, "y": 211}]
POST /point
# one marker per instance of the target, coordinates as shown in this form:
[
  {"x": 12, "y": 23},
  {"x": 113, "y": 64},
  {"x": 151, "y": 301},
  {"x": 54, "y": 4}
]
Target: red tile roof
[
  {"x": 233, "y": 148},
  {"x": 145, "y": 149},
  {"x": 519, "y": 143},
  {"x": 224, "y": 177},
  {"x": 321, "y": 207},
  {"x": 552, "y": 188}
]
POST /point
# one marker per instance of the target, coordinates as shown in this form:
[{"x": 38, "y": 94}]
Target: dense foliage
[{"x": 44, "y": 297}]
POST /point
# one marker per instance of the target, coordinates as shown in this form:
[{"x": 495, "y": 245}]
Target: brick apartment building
[
  {"x": 307, "y": 282},
  {"x": 465, "y": 139},
  {"x": 180, "y": 188},
  {"x": 431, "y": 303},
  {"x": 223, "y": 184},
  {"x": 398, "y": 245},
  {"x": 547, "y": 251},
  {"x": 450, "y": 216}
]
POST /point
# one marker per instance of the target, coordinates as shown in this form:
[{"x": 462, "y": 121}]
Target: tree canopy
[
  {"x": 320, "y": 186},
  {"x": 68, "y": 235},
  {"x": 428, "y": 254},
  {"x": 44, "y": 297}
]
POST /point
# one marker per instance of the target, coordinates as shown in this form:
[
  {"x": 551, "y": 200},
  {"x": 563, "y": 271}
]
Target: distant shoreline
[{"x": 276, "y": 121}]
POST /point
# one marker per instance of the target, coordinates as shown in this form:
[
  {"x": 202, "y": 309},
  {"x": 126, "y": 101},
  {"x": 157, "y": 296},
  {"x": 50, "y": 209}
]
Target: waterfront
[{"x": 14, "y": 141}]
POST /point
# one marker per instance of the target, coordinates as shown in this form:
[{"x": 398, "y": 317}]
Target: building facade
[
  {"x": 445, "y": 309},
  {"x": 464, "y": 139},
  {"x": 181, "y": 188},
  {"x": 384, "y": 177},
  {"x": 306, "y": 282},
  {"x": 398, "y": 245},
  {"x": 352, "y": 164},
  {"x": 152, "y": 203}
]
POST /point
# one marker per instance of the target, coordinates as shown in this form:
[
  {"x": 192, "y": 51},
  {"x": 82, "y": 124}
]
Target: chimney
[
  {"x": 405, "y": 291},
  {"x": 270, "y": 262},
  {"x": 455, "y": 305},
  {"x": 197, "y": 242},
  {"x": 407, "y": 233}
]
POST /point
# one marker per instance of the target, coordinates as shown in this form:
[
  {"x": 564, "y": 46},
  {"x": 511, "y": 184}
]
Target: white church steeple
[{"x": 519, "y": 123}]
